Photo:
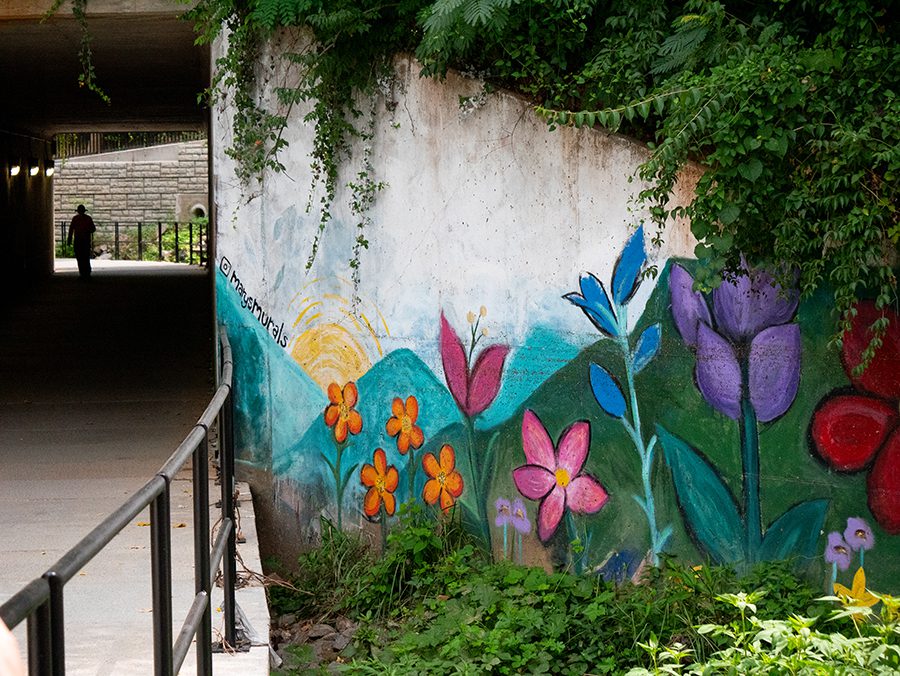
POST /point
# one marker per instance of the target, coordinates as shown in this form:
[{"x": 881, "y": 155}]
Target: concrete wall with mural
[{"x": 502, "y": 358}]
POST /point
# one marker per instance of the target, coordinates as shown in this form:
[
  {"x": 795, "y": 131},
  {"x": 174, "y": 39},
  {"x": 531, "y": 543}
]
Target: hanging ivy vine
[
  {"x": 790, "y": 107},
  {"x": 349, "y": 49},
  {"x": 87, "y": 77}
]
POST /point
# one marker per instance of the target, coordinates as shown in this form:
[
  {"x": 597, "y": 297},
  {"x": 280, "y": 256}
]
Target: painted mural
[
  {"x": 719, "y": 428},
  {"x": 512, "y": 352}
]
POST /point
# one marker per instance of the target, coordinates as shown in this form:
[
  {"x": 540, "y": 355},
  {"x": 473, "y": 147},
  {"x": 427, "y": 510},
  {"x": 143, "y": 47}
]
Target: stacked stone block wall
[{"x": 125, "y": 188}]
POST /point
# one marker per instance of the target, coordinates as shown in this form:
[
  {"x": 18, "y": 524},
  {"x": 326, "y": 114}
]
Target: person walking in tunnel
[{"x": 82, "y": 227}]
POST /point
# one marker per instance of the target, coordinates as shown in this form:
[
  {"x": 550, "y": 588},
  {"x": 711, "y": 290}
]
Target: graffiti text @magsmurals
[{"x": 252, "y": 304}]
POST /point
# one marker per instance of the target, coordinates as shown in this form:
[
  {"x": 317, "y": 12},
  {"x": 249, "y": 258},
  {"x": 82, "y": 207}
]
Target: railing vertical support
[
  {"x": 117, "y": 240},
  {"x": 161, "y": 569},
  {"x": 40, "y": 651},
  {"x": 200, "y": 470},
  {"x": 57, "y": 624},
  {"x": 140, "y": 243},
  {"x": 190, "y": 242},
  {"x": 229, "y": 570},
  {"x": 176, "y": 243},
  {"x": 159, "y": 240}
]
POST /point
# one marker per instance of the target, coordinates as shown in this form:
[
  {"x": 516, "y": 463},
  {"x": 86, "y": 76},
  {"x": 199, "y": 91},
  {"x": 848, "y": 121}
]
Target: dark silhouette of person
[{"x": 81, "y": 228}]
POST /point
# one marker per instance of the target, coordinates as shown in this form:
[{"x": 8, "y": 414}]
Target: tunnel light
[
  {"x": 50, "y": 168},
  {"x": 14, "y": 170},
  {"x": 33, "y": 168}
]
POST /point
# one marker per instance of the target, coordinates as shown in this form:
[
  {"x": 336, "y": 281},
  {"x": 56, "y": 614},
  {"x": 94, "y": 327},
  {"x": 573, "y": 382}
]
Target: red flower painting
[{"x": 859, "y": 429}]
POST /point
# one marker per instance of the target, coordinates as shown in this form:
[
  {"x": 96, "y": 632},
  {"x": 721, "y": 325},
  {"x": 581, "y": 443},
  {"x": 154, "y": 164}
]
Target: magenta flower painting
[
  {"x": 474, "y": 388},
  {"x": 555, "y": 476}
]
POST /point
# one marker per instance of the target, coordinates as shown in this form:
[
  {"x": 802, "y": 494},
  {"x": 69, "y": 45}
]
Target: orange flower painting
[
  {"x": 403, "y": 424},
  {"x": 340, "y": 413},
  {"x": 444, "y": 483},
  {"x": 382, "y": 481}
]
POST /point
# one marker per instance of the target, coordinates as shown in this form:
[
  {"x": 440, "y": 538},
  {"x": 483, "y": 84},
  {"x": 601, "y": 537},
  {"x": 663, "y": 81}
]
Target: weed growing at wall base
[{"x": 434, "y": 604}]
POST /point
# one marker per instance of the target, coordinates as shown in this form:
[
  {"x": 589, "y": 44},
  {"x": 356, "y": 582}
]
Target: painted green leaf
[
  {"x": 709, "y": 509},
  {"x": 795, "y": 533}
]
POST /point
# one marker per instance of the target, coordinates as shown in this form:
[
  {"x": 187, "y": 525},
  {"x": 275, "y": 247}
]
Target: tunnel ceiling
[{"x": 144, "y": 58}]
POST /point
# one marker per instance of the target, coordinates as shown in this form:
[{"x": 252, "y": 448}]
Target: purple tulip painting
[
  {"x": 748, "y": 351},
  {"x": 748, "y": 343}
]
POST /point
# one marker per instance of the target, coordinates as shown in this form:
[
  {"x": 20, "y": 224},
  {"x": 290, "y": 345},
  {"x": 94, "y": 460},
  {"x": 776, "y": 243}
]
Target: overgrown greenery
[
  {"x": 341, "y": 59},
  {"x": 434, "y": 604},
  {"x": 790, "y": 107}
]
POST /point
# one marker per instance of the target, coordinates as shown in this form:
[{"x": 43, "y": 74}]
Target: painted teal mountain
[
  {"x": 543, "y": 353},
  {"x": 275, "y": 399}
]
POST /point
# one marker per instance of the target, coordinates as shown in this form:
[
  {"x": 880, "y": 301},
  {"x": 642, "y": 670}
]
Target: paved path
[{"x": 99, "y": 381}]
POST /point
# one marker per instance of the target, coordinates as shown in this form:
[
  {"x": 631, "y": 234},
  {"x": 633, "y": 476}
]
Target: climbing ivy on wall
[{"x": 789, "y": 107}]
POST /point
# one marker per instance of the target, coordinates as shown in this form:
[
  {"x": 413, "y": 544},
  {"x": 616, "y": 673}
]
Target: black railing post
[
  {"x": 229, "y": 569},
  {"x": 40, "y": 649},
  {"x": 57, "y": 624},
  {"x": 161, "y": 570},
  {"x": 117, "y": 240},
  {"x": 200, "y": 471},
  {"x": 190, "y": 242},
  {"x": 140, "y": 243},
  {"x": 159, "y": 240},
  {"x": 177, "y": 253}
]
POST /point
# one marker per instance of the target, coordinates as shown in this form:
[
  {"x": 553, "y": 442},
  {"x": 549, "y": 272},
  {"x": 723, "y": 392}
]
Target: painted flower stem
[
  {"x": 411, "y": 475},
  {"x": 338, "y": 483},
  {"x": 382, "y": 518},
  {"x": 645, "y": 451},
  {"x": 576, "y": 558},
  {"x": 518, "y": 545},
  {"x": 750, "y": 461},
  {"x": 477, "y": 481},
  {"x": 505, "y": 541}
]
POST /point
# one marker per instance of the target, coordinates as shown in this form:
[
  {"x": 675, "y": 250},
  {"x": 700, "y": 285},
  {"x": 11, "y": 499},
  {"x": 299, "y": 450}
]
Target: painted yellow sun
[{"x": 335, "y": 342}]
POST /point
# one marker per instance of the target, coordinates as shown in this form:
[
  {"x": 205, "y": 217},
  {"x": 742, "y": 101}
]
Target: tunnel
[{"x": 144, "y": 73}]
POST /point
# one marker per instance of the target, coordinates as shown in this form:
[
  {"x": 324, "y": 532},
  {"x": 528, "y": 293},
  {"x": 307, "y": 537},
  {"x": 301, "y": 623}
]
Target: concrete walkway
[{"x": 99, "y": 382}]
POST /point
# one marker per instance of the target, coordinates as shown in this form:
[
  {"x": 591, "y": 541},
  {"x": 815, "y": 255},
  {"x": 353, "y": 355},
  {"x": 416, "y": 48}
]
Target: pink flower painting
[{"x": 555, "y": 476}]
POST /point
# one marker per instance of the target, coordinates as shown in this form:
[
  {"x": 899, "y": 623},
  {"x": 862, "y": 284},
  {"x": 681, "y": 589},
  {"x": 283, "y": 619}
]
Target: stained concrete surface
[{"x": 99, "y": 382}]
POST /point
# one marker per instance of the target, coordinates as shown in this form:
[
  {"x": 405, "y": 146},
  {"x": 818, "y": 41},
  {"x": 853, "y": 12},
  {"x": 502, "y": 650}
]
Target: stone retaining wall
[{"x": 164, "y": 183}]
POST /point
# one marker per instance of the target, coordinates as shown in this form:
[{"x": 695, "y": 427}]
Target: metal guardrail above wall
[
  {"x": 92, "y": 143},
  {"x": 40, "y": 602}
]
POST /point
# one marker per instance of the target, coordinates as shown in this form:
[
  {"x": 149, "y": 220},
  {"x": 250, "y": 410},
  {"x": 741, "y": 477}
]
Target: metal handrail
[
  {"x": 137, "y": 240},
  {"x": 40, "y": 602}
]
